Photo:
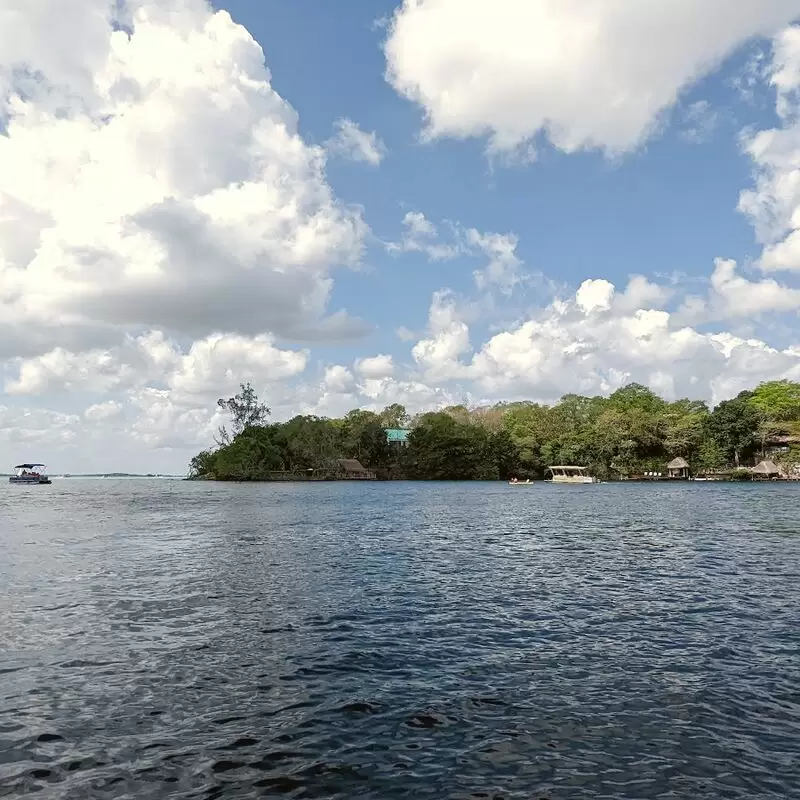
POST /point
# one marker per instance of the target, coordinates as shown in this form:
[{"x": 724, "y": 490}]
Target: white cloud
[
  {"x": 338, "y": 380},
  {"x": 219, "y": 363},
  {"x": 595, "y": 295},
  {"x": 340, "y": 391},
  {"x": 735, "y": 296},
  {"x": 504, "y": 269},
  {"x": 211, "y": 367},
  {"x": 589, "y": 344},
  {"x": 448, "y": 339},
  {"x": 375, "y": 368},
  {"x": 774, "y": 203},
  {"x": 134, "y": 362},
  {"x": 589, "y": 74},
  {"x": 103, "y": 411},
  {"x": 157, "y": 180},
  {"x": 161, "y": 422},
  {"x": 422, "y": 236},
  {"x": 34, "y": 427},
  {"x": 162, "y": 225},
  {"x": 642, "y": 293},
  {"x": 357, "y": 145}
]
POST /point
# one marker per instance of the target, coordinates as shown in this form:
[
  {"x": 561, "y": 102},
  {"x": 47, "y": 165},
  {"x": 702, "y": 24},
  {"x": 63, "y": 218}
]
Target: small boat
[
  {"x": 29, "y": 474},
  {"x": 561, "y": 474},
  {"x": 515, "y": 482}
]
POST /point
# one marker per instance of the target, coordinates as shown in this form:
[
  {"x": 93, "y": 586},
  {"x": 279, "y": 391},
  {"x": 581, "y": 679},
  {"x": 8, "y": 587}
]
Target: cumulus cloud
[
  {"x": 150, "y": 176},
  {"x": 341, "y": 390},
  {"x": 596, "y": 340},
  {"x": 351, "y": 142},
  {"x": 773, "y": 204},
  {"x": 215, "y": 364},
  {"x": 588, "y": 74},
  {"x": 220, "y": 363},
  {"x": 447, "y": 340},
  {"x": 376, "y": 367},
  {"x": 642, "y": 293},
  {"x": 161, "y": 421},
  {"x": 734, "y": 296},
  {"x": 162, "y": 223}
]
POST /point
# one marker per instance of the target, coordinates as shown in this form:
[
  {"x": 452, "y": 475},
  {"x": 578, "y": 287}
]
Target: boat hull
[
  {"x": 573, "y": 480},
  {"x": 29, "y": 480}
]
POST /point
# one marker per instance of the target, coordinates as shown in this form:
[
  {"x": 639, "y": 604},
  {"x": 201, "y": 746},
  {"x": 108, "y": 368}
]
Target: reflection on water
[{"x": 399, "y": 640}]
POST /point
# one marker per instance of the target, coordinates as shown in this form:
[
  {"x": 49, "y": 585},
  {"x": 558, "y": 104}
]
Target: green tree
[
  {"x": 502, "y": 456},
  {"x": 440, "y": 448},
  {"x": 363, "y": 436},
  {"x": 710, "y": 456},
  {"x": 252, "y": 455},
  {"x": 636, "y": 396},
  {"x": 394, "y": 416},
  {"x": 245, "y": 410},
  {"x": 734, "y": 426},
  {"x": 308, "y": 442},
  {"x": 778, "y": 401},
  {"x": 202, "y": 464},
  {"x": 778, "y": 404},
  {"x": 684, "y": 426},
  {"x": 530, "y": 427}
]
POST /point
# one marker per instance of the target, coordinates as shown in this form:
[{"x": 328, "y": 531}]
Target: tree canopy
[
  {"x": 245, "y": 410},
  {"x": 627, "y": 433}
]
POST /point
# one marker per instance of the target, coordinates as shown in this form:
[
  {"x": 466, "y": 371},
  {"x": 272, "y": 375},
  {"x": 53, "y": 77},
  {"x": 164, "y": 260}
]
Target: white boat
[
  {"x": 515, "y": 482},
  {"x": 29, "y": 474},
  {"x": 562, "y": 474}
]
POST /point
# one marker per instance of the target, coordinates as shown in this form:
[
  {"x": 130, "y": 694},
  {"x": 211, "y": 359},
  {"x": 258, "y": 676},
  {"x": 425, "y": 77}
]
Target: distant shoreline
[
  {"x": 105, "y": 475},
  {"x": 208, "y": 479}
]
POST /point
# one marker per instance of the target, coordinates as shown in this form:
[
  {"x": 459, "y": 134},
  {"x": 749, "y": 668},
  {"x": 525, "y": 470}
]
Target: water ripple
[{"x": 173, "y": 640}]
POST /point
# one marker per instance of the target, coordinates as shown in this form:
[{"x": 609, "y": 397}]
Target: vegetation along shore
[{"x": 634, "y": 433}]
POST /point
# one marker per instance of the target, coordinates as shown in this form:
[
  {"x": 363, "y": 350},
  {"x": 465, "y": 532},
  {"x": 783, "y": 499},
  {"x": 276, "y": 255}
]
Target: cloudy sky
[{"x": 366, "y": 202}]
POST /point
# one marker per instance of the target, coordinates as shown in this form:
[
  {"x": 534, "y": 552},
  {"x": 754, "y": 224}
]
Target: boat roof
[
  {"x": 565, "y": 467},
  {"x": 28, "y": 466}
]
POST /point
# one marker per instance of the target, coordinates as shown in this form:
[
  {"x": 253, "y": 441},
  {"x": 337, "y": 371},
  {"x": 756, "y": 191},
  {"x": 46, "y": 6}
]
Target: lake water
[{"x": 194, "y": 640}]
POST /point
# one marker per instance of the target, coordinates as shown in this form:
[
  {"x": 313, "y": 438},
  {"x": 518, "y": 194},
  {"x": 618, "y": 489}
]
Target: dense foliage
[{"x": 631, "y": 432}]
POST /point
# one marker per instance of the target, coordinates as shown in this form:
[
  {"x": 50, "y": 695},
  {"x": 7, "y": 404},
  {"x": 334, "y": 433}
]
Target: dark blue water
[{"x": 163, "y": 640}]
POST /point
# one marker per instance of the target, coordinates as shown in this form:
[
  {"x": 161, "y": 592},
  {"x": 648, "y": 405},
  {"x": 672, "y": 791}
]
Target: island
[{"x": 633, "y": 434}]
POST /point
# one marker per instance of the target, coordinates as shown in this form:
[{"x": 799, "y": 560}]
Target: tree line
[{"x": 631, "y": 432}]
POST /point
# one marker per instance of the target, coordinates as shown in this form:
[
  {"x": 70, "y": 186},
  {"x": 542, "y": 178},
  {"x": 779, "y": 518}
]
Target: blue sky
[
  {"x": 669, "y": 207},
  {"x": 175, "y": 219}
]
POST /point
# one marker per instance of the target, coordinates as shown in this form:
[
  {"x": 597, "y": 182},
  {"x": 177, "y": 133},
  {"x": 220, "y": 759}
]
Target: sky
[{"x": 428, "y": 202}]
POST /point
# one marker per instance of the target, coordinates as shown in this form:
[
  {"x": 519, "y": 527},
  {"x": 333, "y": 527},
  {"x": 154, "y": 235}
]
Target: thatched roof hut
[
  {"x": 350, "y": 465},
  {"x": 678, "y": 468},
  {"x": 353, "y": 468},
  {"x": 766, "y": 469}
]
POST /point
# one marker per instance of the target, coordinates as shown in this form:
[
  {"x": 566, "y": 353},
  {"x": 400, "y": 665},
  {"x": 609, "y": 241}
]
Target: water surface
[{"x": 162, "y": 639}]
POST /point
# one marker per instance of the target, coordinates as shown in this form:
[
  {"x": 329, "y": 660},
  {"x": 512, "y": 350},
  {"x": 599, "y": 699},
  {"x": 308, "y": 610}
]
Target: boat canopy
[
  {"x": 576, "y": 469},
  {"x": 28, "y": 466}
]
